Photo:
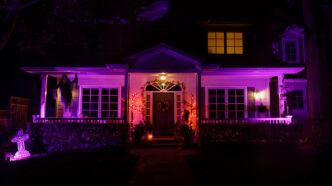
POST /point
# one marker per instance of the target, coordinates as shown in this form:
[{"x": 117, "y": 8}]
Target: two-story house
[{"x": 249, "y": 68}]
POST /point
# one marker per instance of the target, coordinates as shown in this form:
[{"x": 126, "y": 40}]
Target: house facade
[
  {"x": 250, "y": 68},
  {"x": 165, "y": 87}
]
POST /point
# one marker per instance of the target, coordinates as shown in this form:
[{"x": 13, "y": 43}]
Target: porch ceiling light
[{"x": 163, "y": 76}]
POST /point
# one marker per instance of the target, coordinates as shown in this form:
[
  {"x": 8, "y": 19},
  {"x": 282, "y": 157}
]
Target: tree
[
  {"x": 9, "y": 16},
  {"x": 317, "y": 47}
]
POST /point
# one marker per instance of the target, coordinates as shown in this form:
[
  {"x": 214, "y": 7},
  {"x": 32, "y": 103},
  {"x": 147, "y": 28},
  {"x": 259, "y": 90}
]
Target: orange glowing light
[{"x": 150, "y": 136}]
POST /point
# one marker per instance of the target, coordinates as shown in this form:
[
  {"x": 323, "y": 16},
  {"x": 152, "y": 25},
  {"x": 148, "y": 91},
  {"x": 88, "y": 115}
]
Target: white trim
[
  {"x": 206, "y": 102},
  {"x": 255, "y": 71},
  {"x": 175, "y": 93},
  {"x": 43, "y": 97},
  {"x": 99, "y": 98}
]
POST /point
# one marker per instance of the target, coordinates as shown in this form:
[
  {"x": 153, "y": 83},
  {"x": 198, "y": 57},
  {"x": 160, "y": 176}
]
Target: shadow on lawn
[
  {"x": 235, "y": 164},
  {"x": 71, "y": 168}
]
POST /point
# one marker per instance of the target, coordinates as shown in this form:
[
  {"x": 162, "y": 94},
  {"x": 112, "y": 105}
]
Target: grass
[
  {"x": 72, "y": 168},
  {"x": 243, "y": 164}
]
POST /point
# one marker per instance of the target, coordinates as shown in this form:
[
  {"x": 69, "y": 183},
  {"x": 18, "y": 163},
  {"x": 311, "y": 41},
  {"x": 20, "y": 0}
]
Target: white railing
[
  {"x": 285, "y": 121},
  {"x": 37, "y": 119}
]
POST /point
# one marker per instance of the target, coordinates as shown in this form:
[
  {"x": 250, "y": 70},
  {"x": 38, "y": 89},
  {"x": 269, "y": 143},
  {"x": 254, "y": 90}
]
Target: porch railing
[
  {"x": 79, "y": 120},
  {"x": 285, "y": 121}
]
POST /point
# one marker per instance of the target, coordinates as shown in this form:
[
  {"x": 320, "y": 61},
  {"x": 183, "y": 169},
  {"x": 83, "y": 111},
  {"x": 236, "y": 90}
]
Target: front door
[{"x": 163, "y": 114}]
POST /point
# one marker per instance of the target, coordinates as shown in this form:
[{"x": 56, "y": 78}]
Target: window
[
  {"x": 90, "y": 100},
  {"x": 100, "y": 102},
  {"x": 290, "y": 51},
  {"x": 217, "y": 44},
  {"x": 226, "y": 103},
  {"x": 148, "y": 108},
  {"x": 235, "y": 103},
  {"x": 297, "y": 99},
  {"x": 178, "y": 108}
]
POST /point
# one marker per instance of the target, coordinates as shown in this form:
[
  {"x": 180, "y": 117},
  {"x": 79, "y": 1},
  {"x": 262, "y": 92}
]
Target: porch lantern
[
  {"x": 259, "y": 95},
  {"x": 150, "y": 137}
]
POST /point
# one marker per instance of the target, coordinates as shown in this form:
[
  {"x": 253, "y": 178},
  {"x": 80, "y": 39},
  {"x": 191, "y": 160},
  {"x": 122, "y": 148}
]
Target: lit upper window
[{"x": 217, "y": 44}]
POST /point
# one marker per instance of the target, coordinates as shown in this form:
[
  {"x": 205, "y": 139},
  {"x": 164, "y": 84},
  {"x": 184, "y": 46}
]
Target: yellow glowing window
[
  {"x": 234, "y": 43},
  {"x": 217, "y": 44}
]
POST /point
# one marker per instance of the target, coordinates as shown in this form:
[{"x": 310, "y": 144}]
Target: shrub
[{"x": 60, "y": 137}]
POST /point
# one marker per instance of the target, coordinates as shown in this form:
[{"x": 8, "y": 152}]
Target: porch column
[
  {"x": 125, "y": 109},
  {"x": 43, "y": 96},
  {"x": 59, "y": 109}
]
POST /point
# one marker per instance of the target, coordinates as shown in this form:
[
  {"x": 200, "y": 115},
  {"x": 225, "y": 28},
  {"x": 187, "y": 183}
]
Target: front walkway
[{"x": 161, "y": 166}]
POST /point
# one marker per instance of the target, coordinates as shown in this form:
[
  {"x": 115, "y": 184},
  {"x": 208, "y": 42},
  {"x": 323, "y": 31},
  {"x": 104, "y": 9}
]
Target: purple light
[{"x": 21, "y": 152}]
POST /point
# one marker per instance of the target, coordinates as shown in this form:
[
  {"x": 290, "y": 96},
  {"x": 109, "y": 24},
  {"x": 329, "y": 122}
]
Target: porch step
[{"x": 165, "y": 142}]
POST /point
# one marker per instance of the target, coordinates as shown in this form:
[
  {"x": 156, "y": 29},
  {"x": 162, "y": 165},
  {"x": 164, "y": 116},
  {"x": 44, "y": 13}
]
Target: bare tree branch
[{"x": 11, "y": 19}]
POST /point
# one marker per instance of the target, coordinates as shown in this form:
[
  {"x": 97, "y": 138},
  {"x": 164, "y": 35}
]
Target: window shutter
[
  {"x": 251, "y": 102},
  {"x": 300, "y": 48},
  {"x": 123, "y": 91},
  {"x": 203, "y": 102},
  {"x": 274, "y": 97}
]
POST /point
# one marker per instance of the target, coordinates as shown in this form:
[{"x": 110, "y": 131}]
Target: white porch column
[{"x": 43, "y": 96}]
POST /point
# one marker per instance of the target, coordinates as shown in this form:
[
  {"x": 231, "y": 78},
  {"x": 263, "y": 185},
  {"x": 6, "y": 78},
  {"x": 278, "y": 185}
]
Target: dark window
[
  {"x": 290, "y": 51},
  {"x": 297, "y": 99}
]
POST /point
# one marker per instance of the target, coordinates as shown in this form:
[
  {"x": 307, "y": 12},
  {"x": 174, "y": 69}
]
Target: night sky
[{"x": 94, "y": 33}]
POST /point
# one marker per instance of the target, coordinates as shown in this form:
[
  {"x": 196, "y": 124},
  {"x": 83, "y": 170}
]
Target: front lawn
[
  {"x": 245, "y": 164},
  {"x": 71, "y": 168}
]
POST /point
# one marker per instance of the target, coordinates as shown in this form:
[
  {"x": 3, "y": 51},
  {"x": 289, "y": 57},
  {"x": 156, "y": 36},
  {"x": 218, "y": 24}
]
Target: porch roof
[
  {"x": 114, "y": 69},
  {"x": 257, "y": 71}
]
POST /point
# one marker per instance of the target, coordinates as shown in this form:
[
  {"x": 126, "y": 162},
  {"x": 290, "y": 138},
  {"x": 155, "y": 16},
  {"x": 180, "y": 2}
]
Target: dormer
[{"x": 292, "y": 45}]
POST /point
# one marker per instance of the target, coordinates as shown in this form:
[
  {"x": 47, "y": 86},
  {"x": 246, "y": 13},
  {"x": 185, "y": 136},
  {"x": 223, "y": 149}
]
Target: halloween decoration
[
  {"x": 65, "y": 86},
  {"x": 163, "y": 106},
  {"x": 262, "y": 108}
]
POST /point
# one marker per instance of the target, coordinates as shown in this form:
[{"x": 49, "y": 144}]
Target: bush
[
  {"x": 187, "y": 133},
  {"x": 247, "y": 133},
  {"x": 60, "y": 137},
  {"x": 139, "y": 131}
]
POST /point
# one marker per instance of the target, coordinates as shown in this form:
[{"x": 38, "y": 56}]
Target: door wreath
[{"x": 163, "y": 106}]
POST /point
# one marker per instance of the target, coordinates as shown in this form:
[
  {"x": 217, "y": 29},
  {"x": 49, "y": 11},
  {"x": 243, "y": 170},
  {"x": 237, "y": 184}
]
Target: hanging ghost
[{"x": 66, "y": 86}]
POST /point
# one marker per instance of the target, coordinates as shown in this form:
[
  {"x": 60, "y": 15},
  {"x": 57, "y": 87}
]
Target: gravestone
[{"x": 21, "y": 151}]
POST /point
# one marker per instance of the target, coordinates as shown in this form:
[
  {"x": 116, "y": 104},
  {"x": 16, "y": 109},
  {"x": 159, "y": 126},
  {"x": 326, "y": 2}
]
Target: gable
[
  {"x": 163, "y": 62},
  {"x": 163, "y": 58}
]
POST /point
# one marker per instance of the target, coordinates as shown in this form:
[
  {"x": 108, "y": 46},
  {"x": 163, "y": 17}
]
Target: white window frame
[
  {"x": 100, "y": 87},
  {"x": 297, "y": 46},
  {"x": 226, "y": 99}
]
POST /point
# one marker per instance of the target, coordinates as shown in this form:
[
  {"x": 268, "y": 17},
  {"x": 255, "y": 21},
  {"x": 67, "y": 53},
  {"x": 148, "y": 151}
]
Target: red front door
[{"x": 163, "y": 114}]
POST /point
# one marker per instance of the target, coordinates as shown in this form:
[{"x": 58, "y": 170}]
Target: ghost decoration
[{"x": 66, "y": 86}]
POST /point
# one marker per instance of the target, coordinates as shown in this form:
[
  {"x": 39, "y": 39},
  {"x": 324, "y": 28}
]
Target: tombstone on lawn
[{"x": 19, "y": 139}]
